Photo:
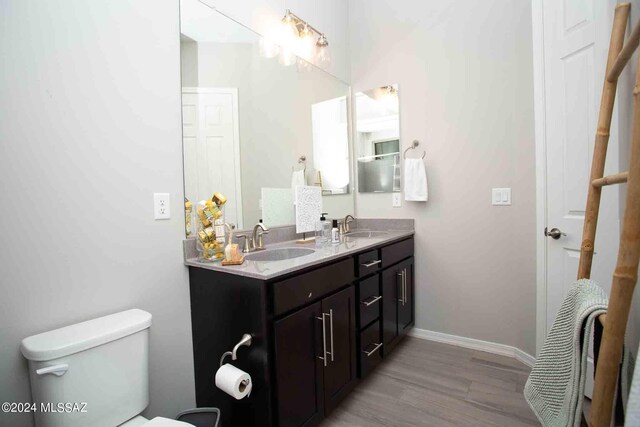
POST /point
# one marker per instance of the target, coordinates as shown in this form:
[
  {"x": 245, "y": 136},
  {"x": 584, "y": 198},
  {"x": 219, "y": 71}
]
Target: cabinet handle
[
  {"x": 331, "y": 331},
  {"x": 401, "y": 274},
  {"x": 324, "y": 341},
  {"x": 376, "y": 348},
  {"x": 373, "y": 301},
  {"x": 371, "y": 264},
  {"x": 404, "y": 289}
]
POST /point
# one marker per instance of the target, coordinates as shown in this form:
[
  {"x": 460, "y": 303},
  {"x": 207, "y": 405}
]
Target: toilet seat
[
  {"x": 140, "y": 421},
  {"x": 166, "y": 422}
]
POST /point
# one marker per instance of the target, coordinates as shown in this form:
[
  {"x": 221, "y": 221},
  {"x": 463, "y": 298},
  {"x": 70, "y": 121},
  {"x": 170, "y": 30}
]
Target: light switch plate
[
  {"x": 501, "y": 196},
  {"x": 396, "y": 200},
  {"x": 161, "y": 206}
]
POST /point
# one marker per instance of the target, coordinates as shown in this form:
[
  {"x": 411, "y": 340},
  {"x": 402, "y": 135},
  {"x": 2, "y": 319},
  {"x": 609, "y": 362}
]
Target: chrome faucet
[
  {"x": 347, "y": 220},
  {"x": 256, "y": 239}
]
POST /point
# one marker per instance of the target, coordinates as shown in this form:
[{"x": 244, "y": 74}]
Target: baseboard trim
[{"x": 474, "y": 344}]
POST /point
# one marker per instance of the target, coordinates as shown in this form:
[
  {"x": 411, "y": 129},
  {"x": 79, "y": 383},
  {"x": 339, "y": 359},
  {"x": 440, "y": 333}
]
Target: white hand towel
[
  {"x": 415, "y": 181},
  {"x": 297, "y": 179}
]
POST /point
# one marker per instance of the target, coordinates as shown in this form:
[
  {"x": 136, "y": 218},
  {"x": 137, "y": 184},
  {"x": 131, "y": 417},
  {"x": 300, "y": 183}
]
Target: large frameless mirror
[
  {"x": 377, "y": 139},
  {"x": 255, "y": 126}
]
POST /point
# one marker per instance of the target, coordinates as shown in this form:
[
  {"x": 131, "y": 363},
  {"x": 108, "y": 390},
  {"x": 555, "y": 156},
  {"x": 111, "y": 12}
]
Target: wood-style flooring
[{"x": 425, "y": 383}]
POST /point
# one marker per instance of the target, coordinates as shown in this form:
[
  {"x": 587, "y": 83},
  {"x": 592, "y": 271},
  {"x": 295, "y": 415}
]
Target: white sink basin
[
  {"x": 278, "y": 254},
  {"x": 365, "y": 234}
]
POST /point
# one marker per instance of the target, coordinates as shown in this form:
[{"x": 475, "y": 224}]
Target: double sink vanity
[
  {"x": 283, "y": 144},
  {"x": 321, "y": 319}
]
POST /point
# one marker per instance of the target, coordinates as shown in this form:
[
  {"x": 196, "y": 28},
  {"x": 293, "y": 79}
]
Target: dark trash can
[{"x": 200, "y": 417}]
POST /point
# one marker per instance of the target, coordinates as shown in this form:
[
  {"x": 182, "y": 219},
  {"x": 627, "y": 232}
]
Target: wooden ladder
[{"x": 626, "y": 272}]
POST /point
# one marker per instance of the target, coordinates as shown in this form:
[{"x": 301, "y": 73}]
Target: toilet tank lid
[{"x": 82, "y": 336}]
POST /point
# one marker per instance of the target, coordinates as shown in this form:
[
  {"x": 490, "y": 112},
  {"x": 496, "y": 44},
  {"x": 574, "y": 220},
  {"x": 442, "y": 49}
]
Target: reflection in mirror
[
  {"x": 378, "y": 139},
  {"x": 248, "y": 121}
]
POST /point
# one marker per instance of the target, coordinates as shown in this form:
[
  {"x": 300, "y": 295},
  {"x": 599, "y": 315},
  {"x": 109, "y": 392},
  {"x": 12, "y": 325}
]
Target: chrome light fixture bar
[{"x": 304, "y": 28}]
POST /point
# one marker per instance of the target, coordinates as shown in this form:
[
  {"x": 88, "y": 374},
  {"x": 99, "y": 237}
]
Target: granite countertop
[{"x": 267, "y": 270}]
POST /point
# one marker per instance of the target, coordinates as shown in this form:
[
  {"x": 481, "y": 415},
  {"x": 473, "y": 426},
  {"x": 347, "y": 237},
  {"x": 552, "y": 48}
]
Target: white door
[
  {"x": 576, "y": 39},
  {"x": 211, "y": 144}
]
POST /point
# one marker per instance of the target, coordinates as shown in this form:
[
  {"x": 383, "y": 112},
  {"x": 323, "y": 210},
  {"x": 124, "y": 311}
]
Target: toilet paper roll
[{"x": 233, "y": 381}]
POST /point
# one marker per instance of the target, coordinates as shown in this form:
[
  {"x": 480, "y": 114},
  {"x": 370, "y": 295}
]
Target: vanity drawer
[
  {"x": 370, "y": 299},
  {"x": 370, "y": 349},
  {"x": 299, "y": 290},
  {"x": 368, "y": 262},
  {"x": 397, "y": 252}
]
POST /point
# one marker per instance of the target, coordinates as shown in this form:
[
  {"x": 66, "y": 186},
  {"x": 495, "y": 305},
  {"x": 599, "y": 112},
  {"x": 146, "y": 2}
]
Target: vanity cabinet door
[
  {"x": 405, "y": 296},
  {"x": 299, "y": 371},
  {"x": 340, "y": 337},
  {"x": 391, "y": 280}
]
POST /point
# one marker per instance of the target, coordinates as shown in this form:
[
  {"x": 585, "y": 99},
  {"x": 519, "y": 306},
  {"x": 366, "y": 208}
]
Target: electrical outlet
[
  {"x": 161, "y": 206},
  {"x": 396, "y": 200}
]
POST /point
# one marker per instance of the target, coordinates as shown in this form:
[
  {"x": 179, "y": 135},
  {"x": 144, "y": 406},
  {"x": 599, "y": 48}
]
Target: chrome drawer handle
[
  {"x": 331, "y": 329},
  {"x": 371, "y": 264},
  {"x": 373, "y": 301},
  {"x": 324, "y": 340},
  {"x": 376, "y": 348}
]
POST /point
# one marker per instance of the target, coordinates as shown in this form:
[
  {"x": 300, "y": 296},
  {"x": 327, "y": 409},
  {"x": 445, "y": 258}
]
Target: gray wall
[
  {"x": 90, "y": 128},
  {"x": 466, "y": 92}
]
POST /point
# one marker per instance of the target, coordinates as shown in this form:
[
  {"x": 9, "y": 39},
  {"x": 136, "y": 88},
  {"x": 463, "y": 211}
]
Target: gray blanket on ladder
[{"x": 555, "y": 388}]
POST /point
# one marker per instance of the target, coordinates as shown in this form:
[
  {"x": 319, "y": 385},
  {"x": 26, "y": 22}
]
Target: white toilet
[{"x": 94, "y": 373}]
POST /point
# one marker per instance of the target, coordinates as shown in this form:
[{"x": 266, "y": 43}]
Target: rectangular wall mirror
[
  {"x": 378, "y": 139},
  {"x": 253, "y": 127}
]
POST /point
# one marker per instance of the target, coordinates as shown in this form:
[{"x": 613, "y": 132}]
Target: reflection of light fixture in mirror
[
  {"x": 322, "y": 46},
  {"x": 389, "y": 97},
  {"x": 268, "y": 47}
]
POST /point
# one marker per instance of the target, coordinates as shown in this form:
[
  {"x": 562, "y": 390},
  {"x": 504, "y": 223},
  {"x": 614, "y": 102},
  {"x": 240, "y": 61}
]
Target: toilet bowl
[
  {"x": 99, "y": 367},
  {"x": 156, "y": 422}
]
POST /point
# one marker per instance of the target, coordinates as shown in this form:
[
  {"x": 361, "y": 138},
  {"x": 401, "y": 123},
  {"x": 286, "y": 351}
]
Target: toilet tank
[{"x": 94, "y": 373}]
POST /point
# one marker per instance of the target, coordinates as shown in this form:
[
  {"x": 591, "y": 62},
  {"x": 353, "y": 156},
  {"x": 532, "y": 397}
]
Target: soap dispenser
[
  {"x": 335, "y": 233},
  {"x": 323, "y": 230}
]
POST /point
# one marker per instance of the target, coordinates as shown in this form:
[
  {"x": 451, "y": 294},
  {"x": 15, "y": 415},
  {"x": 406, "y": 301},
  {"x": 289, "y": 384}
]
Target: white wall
[
  {"x": 466, "y": 92},
  {"x": 90, "y": 128},
  {"x": 329, "y": 16}
]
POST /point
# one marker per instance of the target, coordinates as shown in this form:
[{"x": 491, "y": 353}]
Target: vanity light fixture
[
  {"x": 389, "y": 91},
  {"x": 296, "y": 37}
]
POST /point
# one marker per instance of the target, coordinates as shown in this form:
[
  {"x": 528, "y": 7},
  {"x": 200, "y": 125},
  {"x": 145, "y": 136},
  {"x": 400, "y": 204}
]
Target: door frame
[
  {"x": 236, "y": 139},
  {"x": 540, "y": 128},
  {"x": 539, "y": 107}
]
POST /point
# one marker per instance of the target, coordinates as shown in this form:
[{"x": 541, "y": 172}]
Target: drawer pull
[
  {"x": 324, "y": 340},
  {"x": 376, "y": 348},
  {"x": 371, "y": 264},
  {"x": 373, "y": 301}
]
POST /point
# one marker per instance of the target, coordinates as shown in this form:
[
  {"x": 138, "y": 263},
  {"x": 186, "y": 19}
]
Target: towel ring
[
  {"x": 302, "y": 160},
  {"x": 414, "y": 144}
]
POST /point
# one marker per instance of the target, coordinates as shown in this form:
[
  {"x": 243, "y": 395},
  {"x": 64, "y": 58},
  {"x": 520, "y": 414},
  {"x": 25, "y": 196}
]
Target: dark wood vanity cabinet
[
  {"x": 315, "y": 359},
  {"x": 315, "y": 331},
  {"x": 397, "y": 299}
]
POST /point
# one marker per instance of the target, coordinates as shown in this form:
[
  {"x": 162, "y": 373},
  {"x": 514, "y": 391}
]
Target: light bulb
[
  {"x": 288, "y": 39},
  {"x": 305, "y": 43},
  {"x": 323, "y": 56}
]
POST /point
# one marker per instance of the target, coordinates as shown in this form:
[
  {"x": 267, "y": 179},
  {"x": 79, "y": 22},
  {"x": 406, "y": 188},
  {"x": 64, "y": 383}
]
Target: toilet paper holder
[{"x": 244, "y": 341}]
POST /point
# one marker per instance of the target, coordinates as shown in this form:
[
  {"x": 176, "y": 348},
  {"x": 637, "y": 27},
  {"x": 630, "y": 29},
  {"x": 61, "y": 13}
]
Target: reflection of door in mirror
[
  {"x": 331, "y": 144},
  {"x": 211, "y": 147}
]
